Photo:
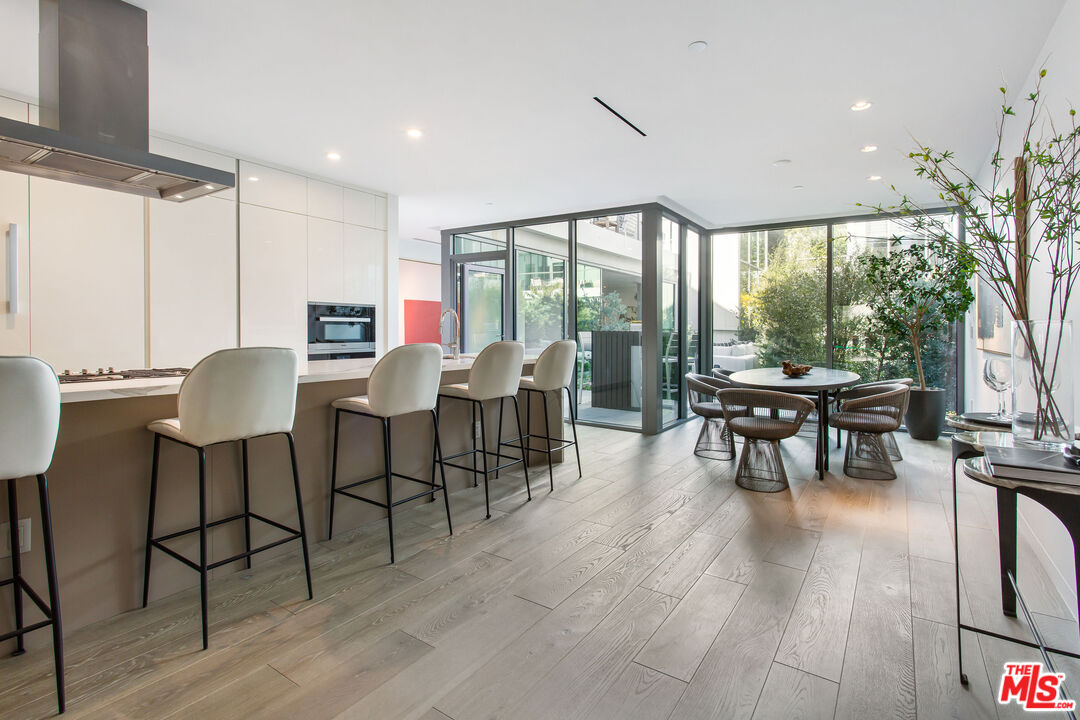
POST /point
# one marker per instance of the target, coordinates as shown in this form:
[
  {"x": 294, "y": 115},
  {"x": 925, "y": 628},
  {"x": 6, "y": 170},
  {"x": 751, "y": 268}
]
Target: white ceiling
[{"x": 503, "y": 91}]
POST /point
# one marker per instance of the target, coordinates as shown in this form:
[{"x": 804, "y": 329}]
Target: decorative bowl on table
[{"x": 795, "y": 370}]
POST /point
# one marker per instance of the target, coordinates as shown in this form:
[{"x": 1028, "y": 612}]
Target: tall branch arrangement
[
  {"x": 1009, "y": 233},
  {"x": 919, "y": 289}
]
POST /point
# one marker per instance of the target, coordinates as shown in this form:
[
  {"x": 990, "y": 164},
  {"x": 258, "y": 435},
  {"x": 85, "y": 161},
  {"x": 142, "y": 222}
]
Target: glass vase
[{"x": 1042, "y": 371}]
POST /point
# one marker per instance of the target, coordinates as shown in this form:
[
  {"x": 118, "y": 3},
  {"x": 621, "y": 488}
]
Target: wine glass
[{"x": 997, "y": 374}]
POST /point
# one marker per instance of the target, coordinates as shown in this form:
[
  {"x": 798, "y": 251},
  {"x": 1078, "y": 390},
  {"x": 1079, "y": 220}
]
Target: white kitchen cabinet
[
  {"x": 359, "y": 208},
  {"x": 189, "y": 153},
  {"x": 193, "y": 280},
  {"x": 364, "y": 262},
  {"x": 325, "y": 253},
  {"x": 380, "y": 212},
  {"x": 273, "y": 279},
  {"x": 325, "y": 200},
  {"x": 271, "y": 188},
  {"x": 87, "y": 284},
  {"x": 365, "y": 275},
  {"x": 14, "y": 209}
]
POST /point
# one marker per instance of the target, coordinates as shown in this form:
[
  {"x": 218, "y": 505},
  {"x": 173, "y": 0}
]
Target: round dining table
[{"x": 819, "y": 381}]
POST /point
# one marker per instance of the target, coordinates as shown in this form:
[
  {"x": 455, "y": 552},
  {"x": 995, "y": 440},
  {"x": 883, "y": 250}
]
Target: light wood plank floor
[{"x": 651, "y": 588}]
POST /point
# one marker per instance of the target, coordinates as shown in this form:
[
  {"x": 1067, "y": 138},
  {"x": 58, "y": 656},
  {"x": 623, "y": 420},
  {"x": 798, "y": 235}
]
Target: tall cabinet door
[
  {"x": 87, "y": 277},
  {"x": 14, "y": 210},
  {"x": 192, "y": 280},
  {"x": 273, "y": 279}
]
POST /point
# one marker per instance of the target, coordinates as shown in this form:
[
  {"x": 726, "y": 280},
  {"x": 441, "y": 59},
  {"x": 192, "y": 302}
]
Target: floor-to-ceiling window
[
  {"x": 608, "y": 298},
  {"x": 542, "y": 252},
  {"x": 670, "y": 338},
  {"x": 858, "y": 342},
  {"x": 769, "y": 297},
  {"x": 771, "y": 302}
]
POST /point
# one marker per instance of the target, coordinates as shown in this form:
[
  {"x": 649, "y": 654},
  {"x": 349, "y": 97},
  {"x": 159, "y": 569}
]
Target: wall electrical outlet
[{"x": 24, "y": 537}]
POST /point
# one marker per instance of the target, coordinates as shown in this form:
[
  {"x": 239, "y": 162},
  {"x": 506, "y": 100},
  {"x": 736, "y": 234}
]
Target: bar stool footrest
[
  {"x": 159, "y": 542},
  {"x": 565, "y": 443},
  {"x": 45, "y": 609},
  {"x": 435, "y": 487}
]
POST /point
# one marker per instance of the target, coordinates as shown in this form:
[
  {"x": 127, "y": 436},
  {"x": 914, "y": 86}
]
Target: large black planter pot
[{"x": 926, "y": 413}]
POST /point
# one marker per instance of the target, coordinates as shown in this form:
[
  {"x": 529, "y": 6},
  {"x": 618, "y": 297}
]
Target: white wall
[
  {"x": 1060, "y": 56},
  {"x": 417, "y": 281}
]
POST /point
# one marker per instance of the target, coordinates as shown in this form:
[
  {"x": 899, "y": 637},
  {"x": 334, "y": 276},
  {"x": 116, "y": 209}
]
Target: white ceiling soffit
[{"x": 503, "y": 92}]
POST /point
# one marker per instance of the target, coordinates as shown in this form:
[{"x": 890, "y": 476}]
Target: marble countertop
[{"x": 319, "y": 371}]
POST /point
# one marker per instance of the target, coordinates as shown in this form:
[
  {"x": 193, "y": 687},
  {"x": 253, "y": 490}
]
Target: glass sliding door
[
  {"x": 542, "y": 252},
  {"x": 670, "y": 339},
  {"x": 608, "y": 326},
  {"x": 480, "y": 305}
]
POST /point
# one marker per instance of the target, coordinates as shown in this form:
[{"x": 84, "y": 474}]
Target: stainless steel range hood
[{"x": 94, "y": 108}]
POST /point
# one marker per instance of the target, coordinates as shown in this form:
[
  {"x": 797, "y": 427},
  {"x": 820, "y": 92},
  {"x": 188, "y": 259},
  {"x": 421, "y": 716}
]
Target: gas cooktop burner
[{"x": 110, "y": 374}]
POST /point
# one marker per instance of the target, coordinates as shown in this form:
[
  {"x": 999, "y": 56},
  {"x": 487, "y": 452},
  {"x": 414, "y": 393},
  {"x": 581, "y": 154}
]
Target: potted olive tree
[{"x": 918, "y": 290}]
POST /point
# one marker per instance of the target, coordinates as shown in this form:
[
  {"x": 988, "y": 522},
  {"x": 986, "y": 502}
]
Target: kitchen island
[{"x": 100, "y": 479}]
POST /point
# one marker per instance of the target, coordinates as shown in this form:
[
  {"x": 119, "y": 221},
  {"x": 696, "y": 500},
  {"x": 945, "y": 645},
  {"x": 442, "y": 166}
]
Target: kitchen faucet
[{"x": 454, "y": 343}]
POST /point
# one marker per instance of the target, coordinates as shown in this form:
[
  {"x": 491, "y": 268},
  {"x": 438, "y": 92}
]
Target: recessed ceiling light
[
  {"x": 415, "y": 133},
  {"x": 798, "y": 187},
  {"x": 781, "y": 162},
  {"x": 868, "y": 148},
  {"x": 861, "y": 105},
  {"x": 698, "y": 46},
  {"x": 490, "y": 203},
  {"x": 179, "y": 197},
  {"x": 873, "y": 178},
  {"x": 208, "y": 187},
  {"x": 333, "y": 156},
  {"x": 253, "y": 179}
]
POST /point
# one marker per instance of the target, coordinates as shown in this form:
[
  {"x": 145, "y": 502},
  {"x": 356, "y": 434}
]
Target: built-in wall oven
[{"x": 336, "y": 331}]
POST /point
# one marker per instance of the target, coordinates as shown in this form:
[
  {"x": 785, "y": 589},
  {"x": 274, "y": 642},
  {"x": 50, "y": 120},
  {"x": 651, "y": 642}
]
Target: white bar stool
[
  {"x": 230, "y": 395},
  {"x": 494, "y": 376},
  {"x": 30, "y": 396},
  {"x": 554, "y": 371},
  {"x": 404, "y": 381}
]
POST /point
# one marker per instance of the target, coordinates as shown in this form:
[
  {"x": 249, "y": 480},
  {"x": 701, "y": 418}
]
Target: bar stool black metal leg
[
  {"x": 472, "y": 431},
  {"x": 54, "y": 591},
  {"x": 333, "y": 475},
  {"x": 483, "y": 447},
  {"x": 547, "y": 433},
  {"x": 573, "y": 427},
  {"x": 150, "y": 520},
  {"x": 300, "y": 513},
  {"x": 528, "y": 427},
  {"x": 204, "y": 590},
  {"x": 442, "y": 470},
  {"x": 16, "y": 562},
  {"x": 247, "y": 503},
  {"x": 498, "y": 438},
  {"x": 524, "y": 465},
  {"x": 434, "y": 446},
  {"x": 389, "y": 485}
]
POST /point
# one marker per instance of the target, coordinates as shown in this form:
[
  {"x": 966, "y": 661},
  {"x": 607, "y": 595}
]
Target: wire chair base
[
  {"x": 867, "y": 457},
  {"x": 715, "y": 441},
  {"x": 761, "y": 468}
]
